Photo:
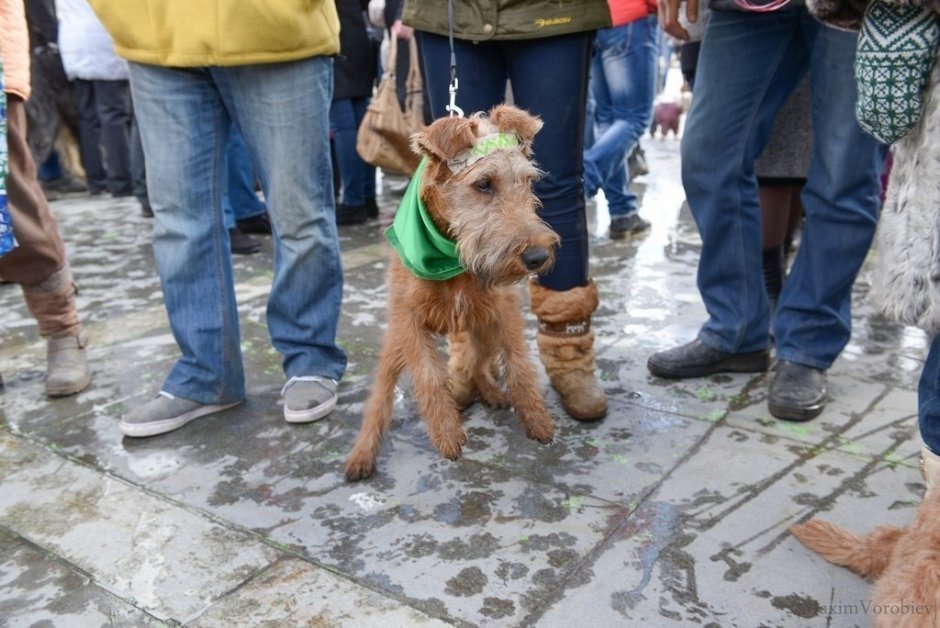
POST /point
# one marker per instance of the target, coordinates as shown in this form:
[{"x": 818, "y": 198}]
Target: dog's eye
[{"x": 484, "y": 185}]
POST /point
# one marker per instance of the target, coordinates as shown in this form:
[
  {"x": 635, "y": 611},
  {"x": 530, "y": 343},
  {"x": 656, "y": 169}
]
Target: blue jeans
[
  {"x": 358, "y": 177},
  {"x": 928, "y": 398},
  {"x": 281, "y": 109},
  {"x": 623, "y": 80},
  {"x": 558, "y": 98},
  {"x": 749, "y": 64},
  {"x": 239, "y": 200}
]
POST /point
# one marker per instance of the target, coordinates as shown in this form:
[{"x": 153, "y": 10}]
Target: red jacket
[{"x": 626, "y": 11}]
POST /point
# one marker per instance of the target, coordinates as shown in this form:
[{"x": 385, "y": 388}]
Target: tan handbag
[{"x": 384, "y": 137}]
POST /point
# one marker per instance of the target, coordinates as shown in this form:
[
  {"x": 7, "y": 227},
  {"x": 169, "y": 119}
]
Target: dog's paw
[
  {"x": 451, "y": 443},
  {"x": 542, "y": 431},
  {"x": 358, "y": 469}
]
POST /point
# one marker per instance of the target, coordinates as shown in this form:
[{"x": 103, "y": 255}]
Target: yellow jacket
[{"x": 193, "y": 33}]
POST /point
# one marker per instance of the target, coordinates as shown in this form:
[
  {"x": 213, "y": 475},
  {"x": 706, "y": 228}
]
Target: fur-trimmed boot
[
  {"x": 566, "y": 347},
  {"x": 52, "y": 303},
  {"x": 929, "y": 468}
]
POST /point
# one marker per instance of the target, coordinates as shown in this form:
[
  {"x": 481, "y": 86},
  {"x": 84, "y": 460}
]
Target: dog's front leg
[
  {"x": 378, "y": 411},
  {"x": 430, "y": 383},
  {"x": 521, "y": 379}
]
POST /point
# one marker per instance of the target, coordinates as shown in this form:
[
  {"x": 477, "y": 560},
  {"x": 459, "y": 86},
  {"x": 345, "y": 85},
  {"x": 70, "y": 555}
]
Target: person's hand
[
  {"x": 401, "y": 31},
  {"x": 669, "y": 16}
]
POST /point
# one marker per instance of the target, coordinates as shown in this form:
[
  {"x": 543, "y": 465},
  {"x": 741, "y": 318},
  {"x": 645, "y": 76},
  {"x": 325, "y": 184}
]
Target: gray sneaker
[
  {"x": 166, "y": 413},
  {"x": 308, "y": 398}
]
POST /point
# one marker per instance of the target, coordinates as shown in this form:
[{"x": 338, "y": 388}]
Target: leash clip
[{"x": 452, "y": 107}]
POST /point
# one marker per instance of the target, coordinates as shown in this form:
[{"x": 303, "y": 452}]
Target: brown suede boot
[
  {"x": 52, "y": 303},
  {"x": 566, "y": 347}
]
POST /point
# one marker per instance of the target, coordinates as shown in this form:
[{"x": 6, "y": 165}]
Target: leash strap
[{"x": 452, "y": 107}]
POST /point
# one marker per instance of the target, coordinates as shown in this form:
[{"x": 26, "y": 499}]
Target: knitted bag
[
  {"x": 897, "y": 49},
  {"x": 6, "y": 225}
]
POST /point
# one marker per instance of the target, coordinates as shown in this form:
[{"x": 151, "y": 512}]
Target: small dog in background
[
  {"x": 904, "y": 563},
  {"x": 476, "y": 184},
  {"x": 666, "y": 118}
]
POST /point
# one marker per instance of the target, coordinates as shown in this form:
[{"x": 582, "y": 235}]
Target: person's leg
[
  {"x": 748, "y": 65},
  {"x": 241, "y": 179},
  {"x": 928, "y": 414},
  {"x": 139, "y": 169},
  {"x": 564, "y": 298},
  {"x": 39, "y": 265},
  {"x": 352, "y": 206},
  {"x": 113, "y": 105},
  {"x": 629, "y": 66},
  {"x": 481, "y": 70},
  {"x": 184, "y": 128},
  {"x": 281, "y": 110},
  {"x": 89, "y": 136},
  {"x": 841, "y": 204},
  {"x": 367, "y": 171}
]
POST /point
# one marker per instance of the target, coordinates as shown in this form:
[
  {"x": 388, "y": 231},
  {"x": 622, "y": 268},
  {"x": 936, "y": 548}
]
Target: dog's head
[{"x": 477, "y": 186}]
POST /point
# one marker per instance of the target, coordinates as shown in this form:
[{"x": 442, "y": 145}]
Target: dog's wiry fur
[
  {"x": 904, "y": 563},
  {"x": 489, "y": 210}
]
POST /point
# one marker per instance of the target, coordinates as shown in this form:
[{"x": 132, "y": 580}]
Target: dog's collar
[
  {"x": 422, "y": 249},
  {"x": 483, "y": 147}
]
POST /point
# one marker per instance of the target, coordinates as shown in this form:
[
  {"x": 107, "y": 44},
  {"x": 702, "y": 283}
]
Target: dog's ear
[
  {"x": 509, "y": 119},
  {"x": 446, "y": 138}
]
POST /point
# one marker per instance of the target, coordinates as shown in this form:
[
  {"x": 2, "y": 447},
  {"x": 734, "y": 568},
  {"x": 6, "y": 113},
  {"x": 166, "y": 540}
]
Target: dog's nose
[{"x": 535, "y": 257}]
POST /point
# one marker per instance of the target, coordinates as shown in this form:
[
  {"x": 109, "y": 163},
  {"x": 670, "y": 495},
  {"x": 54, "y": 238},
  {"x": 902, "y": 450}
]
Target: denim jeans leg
[
  {"x": 841, "y": 200},
  {"x": 282, "y": 112},
  {"x": 623, "y": 79},
  {"x": 928, "y": 398},
  {"x": 184, "y": 129},
  {"x": 748, "y": 66},
  {"x": 240, "y": 188},
  {"x": 354, "y": 172}
]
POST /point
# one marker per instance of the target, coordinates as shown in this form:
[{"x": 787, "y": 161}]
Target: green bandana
[{"x": 420, "y": 246}]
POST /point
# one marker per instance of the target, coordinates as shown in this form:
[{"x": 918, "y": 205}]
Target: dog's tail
[{"x": 867, "y": 556}]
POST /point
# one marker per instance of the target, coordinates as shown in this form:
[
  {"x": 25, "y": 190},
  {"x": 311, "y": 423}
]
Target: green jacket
[
  {"x": 483, "y": 20},
  {"x": 193, "y": 33}
]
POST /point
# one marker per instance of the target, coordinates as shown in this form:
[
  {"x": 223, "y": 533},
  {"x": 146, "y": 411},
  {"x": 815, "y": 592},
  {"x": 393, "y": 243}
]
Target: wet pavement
[{"x": 672, "y": 511}]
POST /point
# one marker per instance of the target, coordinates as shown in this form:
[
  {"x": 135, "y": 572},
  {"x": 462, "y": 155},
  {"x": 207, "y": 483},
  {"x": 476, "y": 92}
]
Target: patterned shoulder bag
[{"x": 897, "y": 50}]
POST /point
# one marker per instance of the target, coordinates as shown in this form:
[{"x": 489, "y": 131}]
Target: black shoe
[
  {"x": 242, "y": 243},
  {"x": 65, "y": 184},
  {"x": 255, "y": 224},
  {"x": 797, "y": 392},
  {"x": 145, "y": 209},
  {"x": 372, "y": 208},
  {"x": 351, "y": 214},
  {"x": 698, "y": 360},
  {"x": 631, "y": 224}
]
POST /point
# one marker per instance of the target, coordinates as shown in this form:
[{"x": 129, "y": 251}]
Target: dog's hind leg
[
  {"x": 377, "y": 415},
  {"x": 867, "y": 556},
  {"x": 522, "y": 384},
  {"x": 462, "y": 364}
]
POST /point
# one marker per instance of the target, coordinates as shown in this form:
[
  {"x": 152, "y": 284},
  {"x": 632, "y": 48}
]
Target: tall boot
[
  {"x": 566, "y": 347},
  {"x": 52, "y": 303}
]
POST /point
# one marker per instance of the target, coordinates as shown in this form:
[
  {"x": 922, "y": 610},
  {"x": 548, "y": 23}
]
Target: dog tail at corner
[{"x": 865, "y": 555}]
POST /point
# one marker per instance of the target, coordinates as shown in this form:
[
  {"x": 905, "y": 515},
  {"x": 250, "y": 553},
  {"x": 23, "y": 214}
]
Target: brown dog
[
  {"x": 903, "y": 562},
  {"x": 482, "y": 199}
]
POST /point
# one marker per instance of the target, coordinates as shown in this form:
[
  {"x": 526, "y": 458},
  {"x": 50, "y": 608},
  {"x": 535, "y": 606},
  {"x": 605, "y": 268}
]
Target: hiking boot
[
  {"x": 797, "y": 392},
  {"x": 631, "y": 224},
  {"x": 242, "y": 243},
  {"x": 695, "y": 359},
  {"x": 66, "y": 369},
  {"x": 166, "y": 413},
  {"x": 260, "y": 224},
  {"x": 308, "y": 398}
]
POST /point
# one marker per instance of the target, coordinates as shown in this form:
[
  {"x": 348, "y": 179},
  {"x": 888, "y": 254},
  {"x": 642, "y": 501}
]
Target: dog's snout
[{"x": 534, "y": 258}]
